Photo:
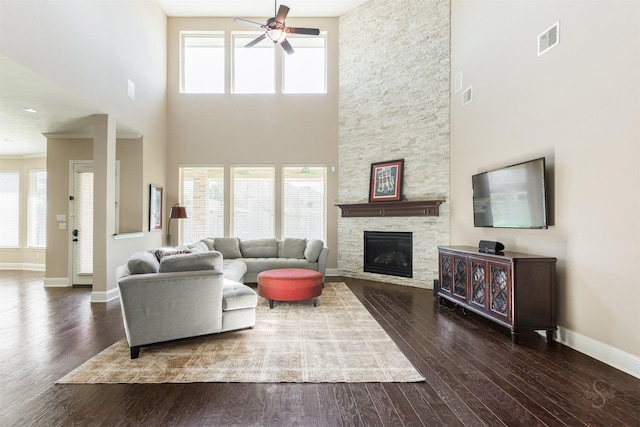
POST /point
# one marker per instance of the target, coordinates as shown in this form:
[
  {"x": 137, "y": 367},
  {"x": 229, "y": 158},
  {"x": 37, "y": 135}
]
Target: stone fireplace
[
  {"x": 398, "y": 111},
  {"x": 388, "y": 253}
]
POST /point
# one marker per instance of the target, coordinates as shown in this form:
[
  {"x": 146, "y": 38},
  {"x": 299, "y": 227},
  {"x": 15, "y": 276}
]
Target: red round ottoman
[{"x": 290, "y": 284}]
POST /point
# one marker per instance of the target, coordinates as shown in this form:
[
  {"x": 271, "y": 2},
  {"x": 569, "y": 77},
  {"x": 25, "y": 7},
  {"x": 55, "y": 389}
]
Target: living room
[{"x": 391, "y": 94}]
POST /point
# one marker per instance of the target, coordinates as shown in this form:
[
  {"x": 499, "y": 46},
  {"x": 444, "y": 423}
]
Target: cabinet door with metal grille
[{"x": 500, "y": 290}]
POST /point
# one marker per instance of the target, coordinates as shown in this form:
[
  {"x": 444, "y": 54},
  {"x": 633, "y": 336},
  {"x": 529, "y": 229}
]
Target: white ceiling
[
  {"x": 59, "y": 112},
  {"x": 262, "y": 8}
]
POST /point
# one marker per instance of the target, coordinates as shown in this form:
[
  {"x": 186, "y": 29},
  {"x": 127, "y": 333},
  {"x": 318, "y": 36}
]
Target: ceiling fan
[{"x": 276, "y": 30}]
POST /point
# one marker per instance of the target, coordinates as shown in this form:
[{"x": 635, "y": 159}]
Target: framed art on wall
[
  {"x": 155, "y": 208},
  {"x": 386, "y": 181}
]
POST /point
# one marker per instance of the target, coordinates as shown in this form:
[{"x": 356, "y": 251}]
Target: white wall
[{"x": 578, "y": 105}]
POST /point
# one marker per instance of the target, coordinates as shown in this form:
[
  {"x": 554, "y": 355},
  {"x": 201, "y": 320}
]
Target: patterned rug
[{"x": 337, "y": 341}]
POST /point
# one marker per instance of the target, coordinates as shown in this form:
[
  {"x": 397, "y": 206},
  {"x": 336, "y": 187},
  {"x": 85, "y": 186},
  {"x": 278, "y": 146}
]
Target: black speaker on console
[{"x": 489, "y": 247}]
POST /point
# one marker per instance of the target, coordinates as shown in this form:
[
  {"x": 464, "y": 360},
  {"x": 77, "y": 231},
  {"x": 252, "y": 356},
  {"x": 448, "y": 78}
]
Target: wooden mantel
[{"x": 401, "y": 208}]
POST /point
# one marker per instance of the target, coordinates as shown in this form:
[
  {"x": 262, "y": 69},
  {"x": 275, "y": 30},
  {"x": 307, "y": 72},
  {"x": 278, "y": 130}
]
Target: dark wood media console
[{"x": 515, "y": 290}]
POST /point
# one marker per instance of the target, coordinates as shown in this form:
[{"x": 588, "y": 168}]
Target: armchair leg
[{"x": 135, "y": 352}]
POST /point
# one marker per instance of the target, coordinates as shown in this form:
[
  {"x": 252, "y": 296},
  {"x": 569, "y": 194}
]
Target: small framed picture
[
  {"x": 386, "y": 181},
  {"x": 155, "y": 208}
]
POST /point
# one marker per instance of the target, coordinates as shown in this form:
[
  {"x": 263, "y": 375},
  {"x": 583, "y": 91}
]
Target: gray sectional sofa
[
  {"x": 199, "y": 289},
  {"x": 267, "y": 254}
]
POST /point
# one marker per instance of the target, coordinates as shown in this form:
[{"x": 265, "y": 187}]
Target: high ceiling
[
  {"x": 265, "y": 8},
  {"x": 58, "y": 112}
]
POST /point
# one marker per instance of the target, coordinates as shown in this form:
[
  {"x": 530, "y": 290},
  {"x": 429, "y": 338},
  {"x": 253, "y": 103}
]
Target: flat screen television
[{"x": 511, "y": 197}]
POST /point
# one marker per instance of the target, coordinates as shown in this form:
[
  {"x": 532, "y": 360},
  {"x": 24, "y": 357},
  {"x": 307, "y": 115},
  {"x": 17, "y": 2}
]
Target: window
[
  {"x": 37, "y": 209},
  {"x": 304, "y": 202},
  {"x": 203, "y": 196},
  {"x": 202, "y": 60},
  {"x": 253, "y": 68},
  {"x": 10, "y": 213},
  {"x": 305, "y": 70},
  {"x": 253, "y": 192}
]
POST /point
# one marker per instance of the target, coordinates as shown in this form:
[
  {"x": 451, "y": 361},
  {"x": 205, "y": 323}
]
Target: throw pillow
[
  {"x": 259, "y": 248},
  {"x": 160, "y": 253},
  {"x": 198, "y": 247},
  {"x": 191, "y": 262},
  {"x": 229, "y": 247},
  {"x": 209, "y": 242},
  {"x": 143, "y": 262},
  {"x": 313, "y": 249},
  {"x": 292, "y": 248}
]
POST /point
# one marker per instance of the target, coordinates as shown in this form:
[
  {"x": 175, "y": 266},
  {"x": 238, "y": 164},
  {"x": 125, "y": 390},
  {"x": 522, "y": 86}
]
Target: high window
[
  {"x": 202, "y": 193},
  {"x": 202, "y": 62},
  {"x": 304, "y": 202},
  {"x": 37, "y": 209},
  {"x": 10, "y": 213},
  {"x": 253, "y": 202},
  {"x": 261, "y": 69},
  {"x": 253, "y": 68},
  {"x": 305, "y": 70}
]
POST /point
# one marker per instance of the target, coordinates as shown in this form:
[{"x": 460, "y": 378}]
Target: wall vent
[
  {"x": 467, "y": 96},
  {"x": 131, "y": 90},
  {"x": 549, "y": 38},
  {"x": 457, "y": 82}
]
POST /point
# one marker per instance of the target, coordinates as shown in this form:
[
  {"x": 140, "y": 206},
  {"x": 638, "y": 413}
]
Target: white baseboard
[
  {"x": 612, "y": 356},
  {"x": 101, "y": 296},
  {"x": 57, "y": 282},
  {"x": 333, "y": 272},
  {"x": 22, "y": 266}
]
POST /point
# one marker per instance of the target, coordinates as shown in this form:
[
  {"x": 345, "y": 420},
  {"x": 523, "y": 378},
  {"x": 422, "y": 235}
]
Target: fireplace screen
[{"x": 388, "y": 253}]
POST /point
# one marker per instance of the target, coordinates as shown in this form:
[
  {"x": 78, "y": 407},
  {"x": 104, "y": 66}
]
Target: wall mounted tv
[{"x": 511, "y": 197}]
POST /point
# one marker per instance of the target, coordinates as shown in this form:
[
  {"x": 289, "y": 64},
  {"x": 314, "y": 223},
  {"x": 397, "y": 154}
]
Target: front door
[{"x": 82, "y": 224}]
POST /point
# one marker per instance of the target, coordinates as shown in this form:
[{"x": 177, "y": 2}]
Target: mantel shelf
[{"x": 402, "y": 208}]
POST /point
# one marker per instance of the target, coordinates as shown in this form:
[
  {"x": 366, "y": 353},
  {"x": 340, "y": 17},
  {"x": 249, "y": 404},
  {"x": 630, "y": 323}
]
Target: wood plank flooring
[{"x": 475, "y": 375}]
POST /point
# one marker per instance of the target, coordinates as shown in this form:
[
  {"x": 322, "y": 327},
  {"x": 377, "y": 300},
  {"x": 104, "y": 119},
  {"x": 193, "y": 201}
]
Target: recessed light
[{"x": 29, "y": 110}]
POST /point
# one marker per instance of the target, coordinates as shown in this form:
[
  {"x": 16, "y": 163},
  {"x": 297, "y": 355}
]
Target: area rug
[{"x": 337, "y": 341}]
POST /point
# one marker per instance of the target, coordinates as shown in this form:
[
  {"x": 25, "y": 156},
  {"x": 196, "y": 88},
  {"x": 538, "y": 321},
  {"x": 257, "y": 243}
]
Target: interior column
[{"x": 104, "y": 159}]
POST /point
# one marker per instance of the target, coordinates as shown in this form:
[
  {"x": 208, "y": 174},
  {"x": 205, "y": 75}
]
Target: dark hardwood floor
[{"x": 474, "y": 375}]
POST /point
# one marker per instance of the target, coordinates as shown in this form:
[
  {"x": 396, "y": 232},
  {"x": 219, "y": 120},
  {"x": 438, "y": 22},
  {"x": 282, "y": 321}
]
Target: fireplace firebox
[{"x": 388, "y": 253}]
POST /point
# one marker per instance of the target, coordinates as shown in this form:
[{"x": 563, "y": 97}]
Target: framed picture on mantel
[{"x": 386, "y": 181}]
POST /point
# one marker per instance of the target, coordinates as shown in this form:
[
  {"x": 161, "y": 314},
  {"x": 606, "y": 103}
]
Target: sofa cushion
[
  {"x": 234, "y": 269},
  {"x": 259, "y": 248},
  {"x": 291, "y": 248},
  {"x": 229, "y": 247},
  {"x": 236, "y": 296},
  {"x": 313, "y": 249},
  {"x": 191, "y": 262},
  {"x": 143, "y": 262},
  {"x": 198, "y": 247}
]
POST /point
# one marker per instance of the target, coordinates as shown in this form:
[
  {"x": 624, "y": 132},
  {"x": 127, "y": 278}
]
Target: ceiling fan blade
[
  {"x": 244, "y": 21},
  {"x": 256, "y": 41},
  {"x": 287, "y": 46},
  {"x": 282, "y": 13},
  {"x": 309, "y": 31}
]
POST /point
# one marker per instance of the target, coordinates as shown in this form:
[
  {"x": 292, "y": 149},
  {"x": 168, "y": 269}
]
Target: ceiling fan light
[{"x": 276, "y": 36}]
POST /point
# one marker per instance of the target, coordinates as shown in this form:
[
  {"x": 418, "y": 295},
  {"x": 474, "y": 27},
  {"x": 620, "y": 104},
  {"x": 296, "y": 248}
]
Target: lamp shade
[{"x": 178, "y": 212}]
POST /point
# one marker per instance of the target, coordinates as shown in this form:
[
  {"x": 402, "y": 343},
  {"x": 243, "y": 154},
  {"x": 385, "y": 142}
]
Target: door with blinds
[{"x": 82, "y": 224}]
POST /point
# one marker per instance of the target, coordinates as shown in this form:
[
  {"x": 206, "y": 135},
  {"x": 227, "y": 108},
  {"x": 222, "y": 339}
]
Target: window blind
[
  {"x": 203, "y": 197},
  {"x": 37, "y": 209},
  {"x": 10, "y": 213},
  {"x": 304, "y": 202},
  {"x": 253, "y": 201}
]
